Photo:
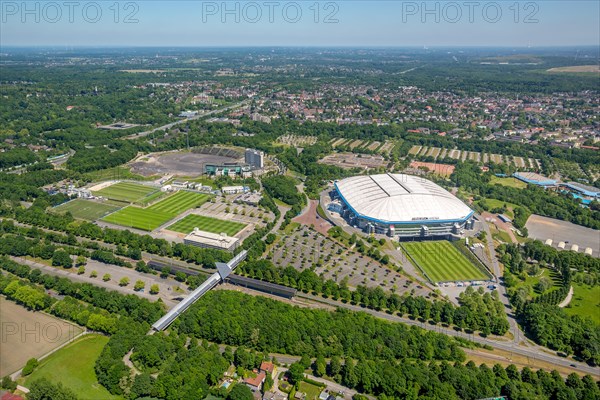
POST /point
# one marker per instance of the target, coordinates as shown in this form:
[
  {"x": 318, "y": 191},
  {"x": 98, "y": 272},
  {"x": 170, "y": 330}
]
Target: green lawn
[
  {"x": 86, "y": 209},
  {"x": 126, "y": 191},
  {"x": 179, "y": 202},
  {"x": 493, "y": 203},
  {"x": 139, "y": 218},
  {"x": 312, "y": 391},
  {"x": 207, "y": 224},
  {"x": 152, "y": 217},
  {"x": 512, "y": 182},
  {"x": 73, "y": 366},
  {"x": 442, "y": 262},
  {"x": 585, "y": 302}
]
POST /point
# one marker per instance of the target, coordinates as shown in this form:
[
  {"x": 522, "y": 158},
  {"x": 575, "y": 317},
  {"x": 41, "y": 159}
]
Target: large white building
[{"x": 402, "y": 206}]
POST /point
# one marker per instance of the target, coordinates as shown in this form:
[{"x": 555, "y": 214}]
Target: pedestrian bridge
[{"x": 223, "y": 271}]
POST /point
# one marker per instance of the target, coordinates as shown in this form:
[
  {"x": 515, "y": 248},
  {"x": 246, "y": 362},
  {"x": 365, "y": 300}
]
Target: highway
[{"x": 181, "y": 121}]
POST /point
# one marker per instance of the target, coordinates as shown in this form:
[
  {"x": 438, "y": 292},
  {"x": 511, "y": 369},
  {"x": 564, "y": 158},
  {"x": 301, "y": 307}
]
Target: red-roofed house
[
  {"x": 267, "y": 367},
  {"x": 255, "y": 383}
]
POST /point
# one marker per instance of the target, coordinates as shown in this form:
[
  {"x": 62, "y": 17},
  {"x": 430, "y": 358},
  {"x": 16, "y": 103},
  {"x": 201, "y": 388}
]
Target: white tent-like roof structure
[{"x": 401, "y": 199}]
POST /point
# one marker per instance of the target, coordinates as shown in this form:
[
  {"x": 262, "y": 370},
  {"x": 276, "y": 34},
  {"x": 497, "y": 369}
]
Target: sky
[{"x": 299, "y": 23}]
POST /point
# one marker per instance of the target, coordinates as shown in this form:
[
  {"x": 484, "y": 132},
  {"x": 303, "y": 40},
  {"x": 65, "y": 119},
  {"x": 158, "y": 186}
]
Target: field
[
  {"x": 312, "y": 391},
  {"x": 35, "y": 334},
  {"x": 126, "y": 191},
  {"x": 442, "y": 262},
  {"x": 158, "y": 214},
  {"x": 179, "y": 202},
  {"x": 73, "y": 366},
  {"x": 139, "y": 218},
  {"x": 511, "y": 182},
  {"x": 207, "y": 224},
  {"x": 86, "y": 209},
  {"x": 585, "y": 302}
]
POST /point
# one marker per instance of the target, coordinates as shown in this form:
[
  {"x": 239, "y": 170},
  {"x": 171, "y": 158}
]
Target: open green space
[
  {"x": 585, "y": 302},
  {"x": 73, "y": 366},
  {"x": 442, "y": 262},
  {"x": 86, "y": 209},
  {"x": 126, "y": 191},
  {"x": 312, "y": 391},
  {"x": 139, "y": 218},
  {"x": 494, "y": 203},
  {"x": 157, "y": 214},
  {"x": 207, "y": 224},
  {"x": 510, "y": 181},
  {"x": 179, "y": 202}
]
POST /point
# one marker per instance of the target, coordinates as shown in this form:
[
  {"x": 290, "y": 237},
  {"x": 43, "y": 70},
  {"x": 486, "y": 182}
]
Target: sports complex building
[{"x": 398, "y": 205}]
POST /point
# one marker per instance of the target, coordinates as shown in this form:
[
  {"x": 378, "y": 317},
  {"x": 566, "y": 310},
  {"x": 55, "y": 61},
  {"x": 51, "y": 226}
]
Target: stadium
[{"x": 403, "y": 206}]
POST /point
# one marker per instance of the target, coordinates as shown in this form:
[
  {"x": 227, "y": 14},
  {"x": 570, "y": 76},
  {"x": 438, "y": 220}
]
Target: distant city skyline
[{"x": 300, "y": 23}]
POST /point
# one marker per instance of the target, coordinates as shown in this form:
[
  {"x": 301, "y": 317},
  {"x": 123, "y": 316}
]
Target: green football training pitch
[
  {"x": 85, "y": 209},
  {"x": 207, "y": 224},
  {"x": 126, "y": 191},
  {"x": 442, "y": 262},
  {"x": 152, "y": 217}
]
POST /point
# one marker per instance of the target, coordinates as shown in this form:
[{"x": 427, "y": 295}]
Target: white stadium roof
[{"x": 400, "y": 198}]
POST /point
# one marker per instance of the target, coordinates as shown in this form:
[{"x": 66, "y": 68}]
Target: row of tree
[{"x": 477, "y": 312}]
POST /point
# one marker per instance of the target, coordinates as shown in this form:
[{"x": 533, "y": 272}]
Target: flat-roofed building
[{"x": 209, "y": 240}]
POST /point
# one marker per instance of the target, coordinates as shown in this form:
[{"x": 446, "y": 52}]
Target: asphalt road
[
  {"x": 181, "y": 121},
  {"x": 535, "y": 352}
]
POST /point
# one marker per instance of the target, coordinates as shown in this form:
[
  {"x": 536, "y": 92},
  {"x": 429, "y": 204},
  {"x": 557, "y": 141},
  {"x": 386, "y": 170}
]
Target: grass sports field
[
  {"x": 73, "y": 366},
  {"x": 179, "y": 202},
  {"x": 126, "y": 191},
  {"x": 207, "y": 224},
  {"x": 585, "y": 302},
  {"x": 442, "y": 262},
  {"x": 86, "y": 209},
  {"x": 28, "y": 335},
  {"x": 152, "y": 217}
]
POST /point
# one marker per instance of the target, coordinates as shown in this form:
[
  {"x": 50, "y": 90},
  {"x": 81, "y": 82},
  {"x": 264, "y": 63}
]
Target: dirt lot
[
  {"x": 577, "y": 68},
  {"x": 176, "y": 163},
  {"x": 440, "y": 169},
  {"x": 27, "y": 334},
  {"x": 310, "y": 217},
  {"x": 350, "y": 160}
]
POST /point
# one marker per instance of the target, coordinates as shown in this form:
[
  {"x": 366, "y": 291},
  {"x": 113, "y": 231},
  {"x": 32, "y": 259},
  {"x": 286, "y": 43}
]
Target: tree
[
  {"x": 240, "y": 391},
  {"x": 42, "y": 389},
  {"x": 268, "y": 384},
  {"x": 124, "y": 281},
  {"x": 81, "y": 270},
  {"x": 154, "y": 289},
  {"x": 320, "y": 366},
  {"x": 296, "y": 373},
  {"x": 93, "y": 274},
  {"x": 81, "y": 260},
  {"x": 8, "y": 383},
  {"x": 139, "y": 285},
  {"x": 61, "y": 258},
  {"x": 31, "y": 365},
  {"x": 106, "y": 277}
]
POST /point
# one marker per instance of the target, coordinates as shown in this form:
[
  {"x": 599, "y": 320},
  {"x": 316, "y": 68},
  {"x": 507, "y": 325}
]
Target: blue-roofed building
[
  {"x": 585, "y": 190},
  {"x": 535, "y": 179}
]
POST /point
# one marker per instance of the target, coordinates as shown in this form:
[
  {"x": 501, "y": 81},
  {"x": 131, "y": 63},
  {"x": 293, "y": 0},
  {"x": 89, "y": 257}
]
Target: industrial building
[
  {"x": 209, "y": 240},
  {"x": 403, "y": 206},
  {"x": 535, "y": 179}
]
